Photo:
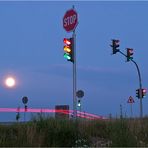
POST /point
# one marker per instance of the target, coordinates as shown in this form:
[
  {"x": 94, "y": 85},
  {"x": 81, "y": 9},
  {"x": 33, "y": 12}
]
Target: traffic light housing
[
  {"x": 144, "y": 92},
  {"x": 138, "y": 93},
  {"x": 141, "y": 92},
  {"x": 115, "y": 45},
  {"x": 68, "y": 49},
  {"x": 129, "y": 54},
  {"x": 79, "y": 103}
]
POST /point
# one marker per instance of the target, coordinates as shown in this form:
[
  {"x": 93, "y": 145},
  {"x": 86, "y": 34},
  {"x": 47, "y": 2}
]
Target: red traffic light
[
  {"x": 129, "y": 54},
  {"x": 116, "y": 41},
  {"x": 115, "y": 45},
  {"x": 67, "y": 41},
  {"x": 130, "y": 51},
  {"x": 143, "y": 92}
]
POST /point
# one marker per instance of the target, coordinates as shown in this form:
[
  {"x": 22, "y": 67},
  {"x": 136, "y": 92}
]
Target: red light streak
[{"x": 70, "y": 112}]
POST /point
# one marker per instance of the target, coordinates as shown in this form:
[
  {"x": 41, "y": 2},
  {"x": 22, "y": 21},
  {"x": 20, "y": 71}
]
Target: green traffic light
[
  {"x": 79, "y": 104},
  {"x": 67, "y": 56}
]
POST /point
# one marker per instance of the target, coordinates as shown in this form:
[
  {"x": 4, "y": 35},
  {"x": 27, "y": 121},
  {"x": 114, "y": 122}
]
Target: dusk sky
[{"x": 31, "y": 51}]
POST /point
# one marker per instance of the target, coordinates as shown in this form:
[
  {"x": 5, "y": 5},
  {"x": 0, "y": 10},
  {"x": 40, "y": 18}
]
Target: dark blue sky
[{"x": 31, "y": 45}]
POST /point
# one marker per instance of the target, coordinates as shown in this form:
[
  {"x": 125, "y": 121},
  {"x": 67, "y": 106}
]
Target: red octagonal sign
[{"x": 70, "y": 20}]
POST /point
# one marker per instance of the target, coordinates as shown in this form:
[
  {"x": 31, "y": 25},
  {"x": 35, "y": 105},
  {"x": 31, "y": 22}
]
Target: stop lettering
[{"x": 70, "y": 20}]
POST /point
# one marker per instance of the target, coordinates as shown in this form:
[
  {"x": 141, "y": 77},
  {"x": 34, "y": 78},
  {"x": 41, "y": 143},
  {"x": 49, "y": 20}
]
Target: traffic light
[
  {"x": 68, "y": 49},
  {"x": 115, "y": 45},
  {"x": 129, "y": 54},
  {"x": 143, "y": 92},
  {"x": 138, "y": 93},
  {"x": 79, "y": 103}
]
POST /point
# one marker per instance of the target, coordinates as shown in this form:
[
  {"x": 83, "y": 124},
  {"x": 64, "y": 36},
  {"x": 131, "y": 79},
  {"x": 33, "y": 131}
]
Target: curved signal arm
[{"x": 140, "y": 83}]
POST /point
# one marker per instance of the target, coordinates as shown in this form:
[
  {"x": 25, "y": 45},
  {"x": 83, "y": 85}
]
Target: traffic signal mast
[
  {"x": 140, "y": 93},
  {"x": 70, "y": 21},
  {"x": 70, "y": 55},
  {"x": 68, "y": 49},
  {"x": 129, "y": 54},
  {"x": 115, "y": 45}
]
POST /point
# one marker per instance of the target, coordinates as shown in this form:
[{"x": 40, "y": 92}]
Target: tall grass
[
  {"x": 120, "y": 134},
  {"x": 50, "y": 132}
]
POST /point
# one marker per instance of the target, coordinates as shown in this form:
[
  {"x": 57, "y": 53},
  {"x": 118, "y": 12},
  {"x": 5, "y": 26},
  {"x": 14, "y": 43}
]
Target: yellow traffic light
[{"x": 67, "y": 49}]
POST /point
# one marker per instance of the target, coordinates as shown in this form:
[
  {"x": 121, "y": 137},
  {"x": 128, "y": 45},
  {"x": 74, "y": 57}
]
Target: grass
[{"x": 50, "y": 132}]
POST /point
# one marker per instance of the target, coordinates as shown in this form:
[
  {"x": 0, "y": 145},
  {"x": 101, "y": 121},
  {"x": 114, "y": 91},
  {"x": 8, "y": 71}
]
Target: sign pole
[
  {"x": 25, "y": 100},
  {"x": 131, "y": 110},
  {"x": 80, "y": 94},
  {"x": 131, "y": 101},
  {"x": 70, "y": 21},
  {"x": 24, "y": 114},
  {"x": 74, "y": 77},
  {"x": 80, "y": 108}
]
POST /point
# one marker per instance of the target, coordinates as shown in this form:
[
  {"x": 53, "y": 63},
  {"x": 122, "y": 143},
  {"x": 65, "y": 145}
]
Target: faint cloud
[
  {"x": 60, "y": 66},
  {"x": 92, "y": 69},
  {"x": 100, "y": 69}
]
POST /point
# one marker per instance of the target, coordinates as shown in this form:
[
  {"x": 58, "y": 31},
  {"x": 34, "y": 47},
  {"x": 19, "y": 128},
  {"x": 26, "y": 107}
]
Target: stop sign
[{"x": 70, "y": 20}]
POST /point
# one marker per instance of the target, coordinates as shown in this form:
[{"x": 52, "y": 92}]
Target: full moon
[{"x": 10, "y": 82}]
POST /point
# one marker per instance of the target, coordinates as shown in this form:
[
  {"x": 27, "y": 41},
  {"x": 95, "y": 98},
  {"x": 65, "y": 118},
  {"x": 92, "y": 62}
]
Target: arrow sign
[{"x": 130, "y": 100}]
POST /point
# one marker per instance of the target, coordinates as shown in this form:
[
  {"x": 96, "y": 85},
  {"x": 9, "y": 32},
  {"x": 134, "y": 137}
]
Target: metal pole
[
  {"x": 131, "y": 110},
  {"x": 121, "y": 115},
  {"x": 74, "y": 76},
  {"x": 140, "y": 85},
  {"x": 80, "y": 107},
  {"x": 24, "y": 115}
]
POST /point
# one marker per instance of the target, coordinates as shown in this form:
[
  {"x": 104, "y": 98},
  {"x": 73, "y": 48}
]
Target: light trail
[{"x": 70, "y": 112}]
